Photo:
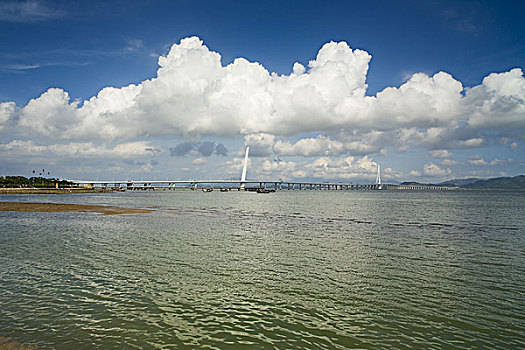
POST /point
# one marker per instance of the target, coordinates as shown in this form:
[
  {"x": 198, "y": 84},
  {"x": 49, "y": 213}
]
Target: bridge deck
[
  {"x": 278, "y": 185},
  {"x": 281, "y": 185}
]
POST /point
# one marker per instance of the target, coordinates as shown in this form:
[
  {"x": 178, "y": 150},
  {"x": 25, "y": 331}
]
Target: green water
[{"x": 309, "y": 269}]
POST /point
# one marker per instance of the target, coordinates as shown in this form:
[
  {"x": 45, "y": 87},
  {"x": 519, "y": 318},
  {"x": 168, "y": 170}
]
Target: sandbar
[{"x": 61, "y": 207}]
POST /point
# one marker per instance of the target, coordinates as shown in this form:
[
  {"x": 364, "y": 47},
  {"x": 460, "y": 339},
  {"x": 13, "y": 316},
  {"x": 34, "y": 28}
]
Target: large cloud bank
[{"x": 315, "y": 111}]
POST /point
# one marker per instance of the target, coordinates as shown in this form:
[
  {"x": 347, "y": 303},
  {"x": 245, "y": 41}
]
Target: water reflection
[{"x": 288, "y": 270}]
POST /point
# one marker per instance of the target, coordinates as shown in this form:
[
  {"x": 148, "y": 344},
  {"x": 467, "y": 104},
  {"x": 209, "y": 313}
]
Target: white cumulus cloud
[
  {"x": 499, "y": 102},
  {"x": 433, "y": 169},
  {"x": 449, "y": 162},
  {"x": 24, "y": 148},
  {"x": 442, "y": 153},
  {"x": 347, "y": 168},
  {"x": 262, "y": 144},
  {"x": 318, "y": 110},
  {"x": 7, "y": 111},
  {"x": 51, "y": 114}
]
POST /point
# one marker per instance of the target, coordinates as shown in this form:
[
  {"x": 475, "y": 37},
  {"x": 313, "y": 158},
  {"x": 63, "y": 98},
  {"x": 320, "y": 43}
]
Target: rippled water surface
[{"x": 309, "y": 269}]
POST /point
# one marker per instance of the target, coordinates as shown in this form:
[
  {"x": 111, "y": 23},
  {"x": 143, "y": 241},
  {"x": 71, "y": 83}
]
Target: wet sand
[{"x": 59, "y": 207}]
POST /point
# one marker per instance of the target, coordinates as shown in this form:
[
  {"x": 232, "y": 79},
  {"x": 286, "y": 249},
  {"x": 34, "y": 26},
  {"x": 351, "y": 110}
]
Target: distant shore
[
  {"x": 62, "y": 207},
  {"x": 49, "y": 190}
]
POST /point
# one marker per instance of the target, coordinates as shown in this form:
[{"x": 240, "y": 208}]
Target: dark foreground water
[{"x": 310, "y": 269}]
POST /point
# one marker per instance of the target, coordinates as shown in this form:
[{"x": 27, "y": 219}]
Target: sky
[{"x": 319, "y": 90}]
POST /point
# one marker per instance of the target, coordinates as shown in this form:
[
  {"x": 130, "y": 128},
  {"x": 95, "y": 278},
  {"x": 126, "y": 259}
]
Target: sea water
[{"x": 291, "y": 269}]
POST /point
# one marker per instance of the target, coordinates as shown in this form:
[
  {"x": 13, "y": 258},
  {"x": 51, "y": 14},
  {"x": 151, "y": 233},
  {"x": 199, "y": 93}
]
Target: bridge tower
[
  {"x": 244, "y": 168},
  {"x": 378, "y": 178}
]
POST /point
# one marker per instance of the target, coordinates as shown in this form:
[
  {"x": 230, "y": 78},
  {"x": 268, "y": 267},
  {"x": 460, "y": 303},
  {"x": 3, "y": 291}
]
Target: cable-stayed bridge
[{"x": 228, "y": 179}]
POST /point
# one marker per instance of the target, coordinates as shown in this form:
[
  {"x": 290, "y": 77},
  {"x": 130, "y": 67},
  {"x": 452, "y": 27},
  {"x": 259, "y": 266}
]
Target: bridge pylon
[
  {"x": 378, "y": 178},
  {"x": 244, "y": 169}
]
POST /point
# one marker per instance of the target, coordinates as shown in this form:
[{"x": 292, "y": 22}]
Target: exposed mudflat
[
  {"x": 59, "y": 207},
  {"x": 9, "y": 344}
]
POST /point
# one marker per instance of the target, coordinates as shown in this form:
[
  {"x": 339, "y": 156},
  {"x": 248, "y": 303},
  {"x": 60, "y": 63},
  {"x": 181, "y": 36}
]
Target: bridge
[
  {"x": 241, "y": 184},
  {"x": 226, "y": 184}
]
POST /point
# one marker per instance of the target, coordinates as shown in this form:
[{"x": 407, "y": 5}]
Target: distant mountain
[
  {"x": 412, "y": 183},
  {"x": 500, "y": 183},
  {"x": 449, "y": 183},
  {"x": 503, "y": 183},
  {"x": 458, "y": 182}
]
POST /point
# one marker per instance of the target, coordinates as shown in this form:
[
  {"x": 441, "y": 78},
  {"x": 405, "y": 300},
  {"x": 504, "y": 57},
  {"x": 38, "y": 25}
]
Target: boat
[
  {"x": 122, "y": 189},
  {"x": 265, "y": 190}
]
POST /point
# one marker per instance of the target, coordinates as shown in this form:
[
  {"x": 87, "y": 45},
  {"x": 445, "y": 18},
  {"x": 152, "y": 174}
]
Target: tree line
[{"x": 35, "y": 181}]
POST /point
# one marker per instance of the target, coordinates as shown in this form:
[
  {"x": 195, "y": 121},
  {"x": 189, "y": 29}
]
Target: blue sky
[{"x": 83, "y": 47}]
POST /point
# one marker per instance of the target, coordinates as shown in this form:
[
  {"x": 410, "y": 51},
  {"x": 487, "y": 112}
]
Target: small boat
[
  {"x": 122, "y": 189},
  {"x": 264, "y": 190},
  {"x": 207, "y": 189}
]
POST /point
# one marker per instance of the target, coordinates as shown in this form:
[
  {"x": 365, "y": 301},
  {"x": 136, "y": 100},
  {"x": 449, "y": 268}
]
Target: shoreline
[{"x": 50, "y": 190}]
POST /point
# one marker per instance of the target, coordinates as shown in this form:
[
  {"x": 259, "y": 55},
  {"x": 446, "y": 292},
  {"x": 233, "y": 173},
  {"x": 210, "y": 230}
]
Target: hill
[
  {"x": 499, "y": 183},
  {"x": 458, "y": 182}
]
